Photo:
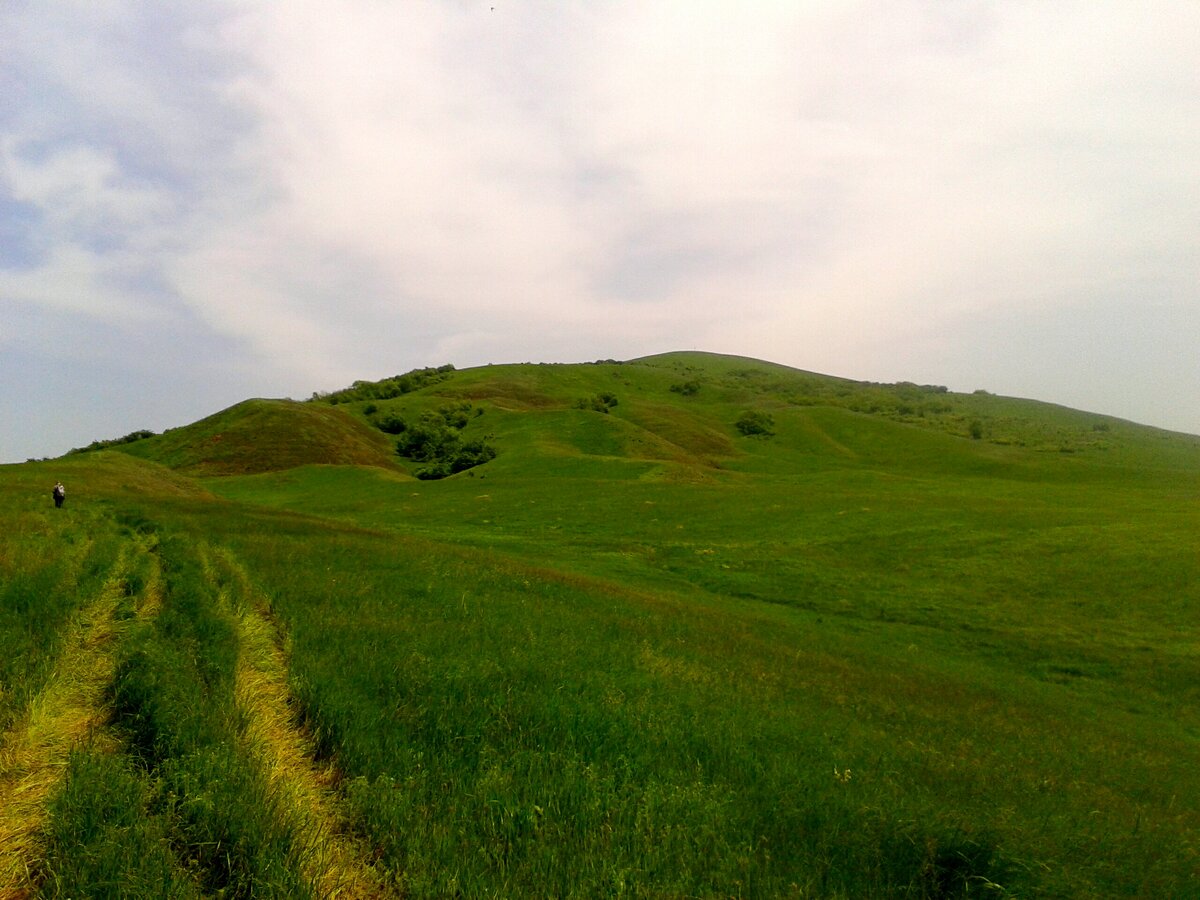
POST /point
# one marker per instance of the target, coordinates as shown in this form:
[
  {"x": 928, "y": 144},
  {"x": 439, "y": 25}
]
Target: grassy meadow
[{"x": 897, "y": 642}]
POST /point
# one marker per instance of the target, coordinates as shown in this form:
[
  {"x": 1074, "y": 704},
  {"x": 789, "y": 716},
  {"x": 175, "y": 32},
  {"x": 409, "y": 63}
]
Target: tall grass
[
  {"x": 106, "y": 838},
  {"x": 640, "y": 655},
  {"x": 173, "y": 700},
  {"x": 508, "y": 732},
  {"x": 50, "y": 571},
  {"x": 615, "y": 704}
]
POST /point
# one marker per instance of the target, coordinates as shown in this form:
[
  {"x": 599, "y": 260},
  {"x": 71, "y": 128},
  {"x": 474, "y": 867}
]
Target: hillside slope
[
  {"x": 677, "y": 416},
  {"x": 266, "y": 436}
]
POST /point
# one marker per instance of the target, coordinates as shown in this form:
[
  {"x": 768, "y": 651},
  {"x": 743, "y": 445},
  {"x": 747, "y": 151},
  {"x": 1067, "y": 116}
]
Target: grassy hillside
[
  {"x": 265, "y": 436},
  {"x": 675, "y": 416},
  {"x": 865, "y": 650}
]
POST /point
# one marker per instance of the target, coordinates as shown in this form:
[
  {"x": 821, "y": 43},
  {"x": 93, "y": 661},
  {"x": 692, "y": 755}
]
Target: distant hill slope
[
  {"x": 266, "y": 436},
  {"x": 677, "y": 415},
  {"x": 674, "y": 415}
]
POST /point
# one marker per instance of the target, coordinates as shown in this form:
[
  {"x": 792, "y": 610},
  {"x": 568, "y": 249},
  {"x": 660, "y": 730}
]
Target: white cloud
[
  {"x": 73, "y": 280},
  {"x": 82, "y": 195}
]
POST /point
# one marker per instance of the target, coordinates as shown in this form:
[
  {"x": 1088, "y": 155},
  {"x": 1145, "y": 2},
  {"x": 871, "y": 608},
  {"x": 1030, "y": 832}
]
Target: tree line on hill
[{"x": 387, "y": 388}]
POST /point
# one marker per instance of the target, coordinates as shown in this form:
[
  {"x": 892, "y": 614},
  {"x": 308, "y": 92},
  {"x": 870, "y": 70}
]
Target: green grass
[
  {"x": 640, "y": 654},
  {"x": 940, "y": 642},
  {"x": 105, "y": 838},
  {"x": 52, "y": 561}
]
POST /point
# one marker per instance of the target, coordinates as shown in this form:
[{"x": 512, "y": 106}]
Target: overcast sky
[{"x": 208, "y": 201}]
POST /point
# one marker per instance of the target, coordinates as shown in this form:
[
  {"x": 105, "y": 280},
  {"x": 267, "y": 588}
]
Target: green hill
[
  {"x": 676, "y": 415},
  {"x": 703, "y": 626},
  {"x": 265, "y": 436}
]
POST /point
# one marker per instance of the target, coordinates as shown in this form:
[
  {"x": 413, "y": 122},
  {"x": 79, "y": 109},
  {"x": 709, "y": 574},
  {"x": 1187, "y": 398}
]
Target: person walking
[{"x": 60, "y": 494}]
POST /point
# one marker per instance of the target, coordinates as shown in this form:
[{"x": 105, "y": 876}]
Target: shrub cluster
[
  {"x": 602, "y": 402},
  {"x": 435, "y": 439},
  {"x": 687, "y": 388},
  {"x": 114, "y": 442},
  {"x": 386, "y": 388},
  {"x": 752, "y": 422},
  {"x": 390, "y": 424}
]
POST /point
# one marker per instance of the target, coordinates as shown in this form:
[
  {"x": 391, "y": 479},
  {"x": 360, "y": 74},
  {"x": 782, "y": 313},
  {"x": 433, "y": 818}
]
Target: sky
[{"x": 209, "y": 201}]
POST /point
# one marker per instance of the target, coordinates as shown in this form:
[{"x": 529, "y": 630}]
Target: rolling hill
[
  {"x": 677, "y": 412},
  {"x": 265, "y": 436},
  {"x": 687, "y": 625}
]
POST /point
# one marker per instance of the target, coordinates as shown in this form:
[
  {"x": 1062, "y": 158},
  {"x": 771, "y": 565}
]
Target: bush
[
  {"x": 602, "y": 402},
  {"x": 387, "y": 388},
  {"x": 687, "y": 388},
  {"x": 435, "y": 440},
  {"x": 391, "y": 424},
  {"x": 457, "y": 415},
  {"x": 752, "y": 423},
  {"x": 428, "y": 440},
  {"x": 976, "y": 429},
  {"x": 130, "y": 438}
]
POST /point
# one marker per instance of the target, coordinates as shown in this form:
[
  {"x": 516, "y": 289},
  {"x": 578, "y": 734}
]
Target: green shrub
[
  {"x": 602, "y": 402},
  {"x": 435, "y": 440},
  {"x": 463, "y": 457},
  {"x": 456, "y": 415},
  {"x": 386, "y": 388},
  {"x": 427, "y": 440},
  {"x": 391, "y": 424},
  {"x": 140, "y": 435},
  {"x": 753, "y": 422}
]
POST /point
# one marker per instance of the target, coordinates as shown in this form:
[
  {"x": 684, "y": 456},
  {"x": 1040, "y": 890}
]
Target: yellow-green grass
[
  {"x": 995, "y": 655},
  {"x": 66, "y": 711}
]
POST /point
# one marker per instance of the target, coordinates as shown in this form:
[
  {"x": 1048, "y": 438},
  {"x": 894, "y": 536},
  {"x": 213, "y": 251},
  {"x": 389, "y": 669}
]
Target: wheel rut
[
  {"x": 67, "y": 712},
  {"x": 335, "y": 859}
]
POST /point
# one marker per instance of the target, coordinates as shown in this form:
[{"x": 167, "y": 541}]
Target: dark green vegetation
[
  {"x": 139, "y": 435},
  {"x": 871, "y": 650},
  {"x": 434, "y": 439}
]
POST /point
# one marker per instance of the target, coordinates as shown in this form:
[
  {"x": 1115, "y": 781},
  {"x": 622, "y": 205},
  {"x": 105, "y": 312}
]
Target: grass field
[{"x": 907, "y": 644}]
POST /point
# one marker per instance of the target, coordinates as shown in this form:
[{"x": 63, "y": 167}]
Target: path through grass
[
  {"x": 68, "y": 711},
  {"x": 333, "y": 858},
  {"x": 202, "y": 752}
]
